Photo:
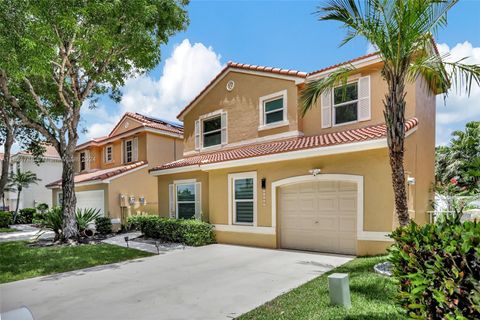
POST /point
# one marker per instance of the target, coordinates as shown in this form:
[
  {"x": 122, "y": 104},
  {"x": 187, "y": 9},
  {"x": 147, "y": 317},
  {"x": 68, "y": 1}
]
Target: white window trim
[
  {"x": 106, "y": 153},
  {"x": 262, "y": 115},
  {"x": 231, "y": 202},
  {"x": 207, "y": 116},
  {"x": 176, "y": 196},
  {"x": 126, "y": 151},
  {"x": 334, "y": 124}
]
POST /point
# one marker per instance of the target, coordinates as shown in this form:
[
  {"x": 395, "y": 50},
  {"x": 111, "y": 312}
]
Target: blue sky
[{"x": 282, "y": 34}]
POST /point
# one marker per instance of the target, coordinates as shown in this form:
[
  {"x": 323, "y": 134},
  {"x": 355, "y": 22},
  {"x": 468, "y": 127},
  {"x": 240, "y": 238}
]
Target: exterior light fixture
[
  {"x": 411, "y": 181},
  {"x": 314, "y": 172},
  {"x": 126, "y": 240}
]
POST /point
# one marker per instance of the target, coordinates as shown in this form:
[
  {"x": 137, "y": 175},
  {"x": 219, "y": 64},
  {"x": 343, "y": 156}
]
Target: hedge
[
  {"x": 5, "y": 219},
  {"x": 438, "y": 269},
  {"x": 103, "y": 225},
  {"x": 189, "y": 232},
  {"x": 25, "y": 216}
]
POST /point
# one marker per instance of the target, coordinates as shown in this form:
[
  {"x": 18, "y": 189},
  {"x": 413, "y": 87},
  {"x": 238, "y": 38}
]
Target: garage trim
[{"x": 361, "y": 233}]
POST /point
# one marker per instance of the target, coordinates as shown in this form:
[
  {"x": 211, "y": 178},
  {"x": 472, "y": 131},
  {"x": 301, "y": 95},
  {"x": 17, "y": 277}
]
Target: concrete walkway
[
  {"x": 119, "y": 240},
  {"x": 211, "y": 282},
  {"x": 25, "y": 232}
]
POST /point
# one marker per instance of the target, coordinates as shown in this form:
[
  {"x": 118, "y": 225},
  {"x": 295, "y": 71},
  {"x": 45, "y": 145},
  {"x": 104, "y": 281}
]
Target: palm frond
[{"x": 313, "y": 89}]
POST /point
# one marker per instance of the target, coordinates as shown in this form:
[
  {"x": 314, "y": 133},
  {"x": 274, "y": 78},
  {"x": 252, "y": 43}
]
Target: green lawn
[
  {"x": 7, "y": 230},
  {"x": 19, "y": 261},
  {"x": 372, "y": 297}
]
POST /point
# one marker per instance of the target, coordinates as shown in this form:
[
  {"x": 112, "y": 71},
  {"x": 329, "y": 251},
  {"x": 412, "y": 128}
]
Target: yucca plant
[
  {"x": 402, "y": 32},
  {"x": 85, "y": 217},
  {"x": 52, "y": 221}
]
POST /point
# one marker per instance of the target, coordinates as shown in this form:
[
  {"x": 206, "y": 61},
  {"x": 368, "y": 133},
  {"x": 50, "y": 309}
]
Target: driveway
[{"x": 211, "y": 282}]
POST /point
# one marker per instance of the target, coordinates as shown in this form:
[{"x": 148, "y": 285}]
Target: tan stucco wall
[
  {"x": 162, "y": 149},
  {"x": 242, "y": 106},
  {"x": 132, "y": 124},
  {"x": 138, "y": 183}
]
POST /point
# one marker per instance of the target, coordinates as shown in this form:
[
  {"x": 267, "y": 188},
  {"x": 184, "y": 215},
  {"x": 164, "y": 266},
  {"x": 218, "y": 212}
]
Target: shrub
[
  {"x": 42, "y": 207},
  {"x": 438, "y": 269},
  {"x": 52, "y": 221},
  {"x": 189, "y": 232},
  {"x": 25, "y": 215},
  {"x": 5, "y": 219},
  {"x": 103, "y": 225},
  {"x": 38, "y": 218}
]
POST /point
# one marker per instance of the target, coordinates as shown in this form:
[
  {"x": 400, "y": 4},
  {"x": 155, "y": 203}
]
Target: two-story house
[
  {"x": 112, "y": 171},
  {"x": 266, "y": 176},
  {"x": 46, "y": 170}
]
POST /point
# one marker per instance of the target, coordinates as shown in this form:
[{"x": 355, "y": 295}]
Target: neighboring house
[
  {"x": 48, "y": 170},
  {"x": 265, "y": 176},
  {"x": 112, "y": 171}
]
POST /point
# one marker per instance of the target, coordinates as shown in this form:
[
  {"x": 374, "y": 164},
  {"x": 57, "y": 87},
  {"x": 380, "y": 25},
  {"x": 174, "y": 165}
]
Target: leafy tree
[
  {"x": 18, "y": 181},
  {"x": 401, "y": 30},
  {"x": 60, "y": 55},
  {"x": 460, "y": 160}
]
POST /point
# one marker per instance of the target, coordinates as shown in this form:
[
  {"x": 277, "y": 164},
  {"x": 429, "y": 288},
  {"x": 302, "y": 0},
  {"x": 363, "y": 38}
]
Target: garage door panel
[
  {"x": 91, "y": 200},
  {"x": 319, "y": 216}
]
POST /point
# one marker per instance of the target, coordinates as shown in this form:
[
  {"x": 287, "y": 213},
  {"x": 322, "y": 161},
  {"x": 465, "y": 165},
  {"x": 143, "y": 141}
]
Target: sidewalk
[
  {"x": 25, "y": 232},
  {"x": 163, "y": 248}
]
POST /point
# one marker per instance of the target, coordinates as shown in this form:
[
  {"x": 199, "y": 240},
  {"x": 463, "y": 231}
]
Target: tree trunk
[
  {"x": 395, "y": 119},
  {"x": 70, "y": 230},
  {"x": 6, "y": 160},
  {"x": 18, "y": 203}
]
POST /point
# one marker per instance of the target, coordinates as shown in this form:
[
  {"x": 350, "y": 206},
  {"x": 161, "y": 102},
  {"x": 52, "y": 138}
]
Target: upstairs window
[
  {"x": 108, "y": 154},
  {"x": 212, "y": 131},
  {"x": 345, "y": 103},
  {"x": 83, "y": 161},
  {"x": 273, "y": 110},
  {"x": 129, "y": 151}
]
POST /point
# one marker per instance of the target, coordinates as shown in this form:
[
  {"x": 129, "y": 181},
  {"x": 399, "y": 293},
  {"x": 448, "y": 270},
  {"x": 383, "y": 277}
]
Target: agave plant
[
  {"x": 52, "y": 221},
  {"x": 85, "y": 217}
]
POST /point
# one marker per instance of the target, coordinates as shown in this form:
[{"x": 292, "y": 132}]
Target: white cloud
[
  {"x": 459, "y": 107},
  {"x": 371, "y": 48},
  {"x": 185, "y": 73}
]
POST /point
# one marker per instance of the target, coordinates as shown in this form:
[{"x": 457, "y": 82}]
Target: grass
[
  {"x": 20, "y": 261},
  {"x": 372, "y": 297},
  {"x": 4, "y": 230}
]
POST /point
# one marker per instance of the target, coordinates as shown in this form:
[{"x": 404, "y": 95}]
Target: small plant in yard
[
  {"x": 25, "y": 216},
  {"x": 5, "y": 219},
  {"x": 103, "y": 225},
  {"x": 84, "y": 218},
  {"x": 438, "y": 269},
  {"x": 52, "y": 221},
  {"x": 190, "y": 232}
]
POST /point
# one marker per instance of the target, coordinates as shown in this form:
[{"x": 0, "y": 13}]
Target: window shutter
[
  {"x": 87, "y": 160},
  {"x": 327, "y": 109},
  {"x": 197, "y": 134},
  {"x": 364, "y": 108},
  {"x": 224, "y": 121},
  {"x": 198, "y": 200},
  {"x": 122, "y": 152},
  {"x": 105, "y": 154},
  {"x": 135, "y": 149},
  {"x": 171, "y": 198}
]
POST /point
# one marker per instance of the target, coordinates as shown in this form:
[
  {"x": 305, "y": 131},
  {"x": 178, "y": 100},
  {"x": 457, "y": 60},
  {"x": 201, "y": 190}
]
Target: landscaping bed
[
  {"x": 21, "y": 260},
  {"x": 5, "y": 230},
  {"x": 372, "y": 297}
]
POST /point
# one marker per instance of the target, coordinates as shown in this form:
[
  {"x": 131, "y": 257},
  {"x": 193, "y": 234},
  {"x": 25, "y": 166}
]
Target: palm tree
[
  {"x": 19, "y": 180},
  {"x": 402, "y": 32}
]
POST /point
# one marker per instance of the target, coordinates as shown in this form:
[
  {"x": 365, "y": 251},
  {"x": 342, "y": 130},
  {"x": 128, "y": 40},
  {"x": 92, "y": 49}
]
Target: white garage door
[
  {"x": 91, "y": 199},
  {"x": 319, "y": 216}
]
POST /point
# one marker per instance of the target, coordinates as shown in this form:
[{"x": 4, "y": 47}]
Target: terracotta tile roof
[
  {"x": 344, "y": 63},
  {"x": 100, "y": 174},
  {"x": 251, "y": 67},
  {"x": 274, "y": 147},
  {"x": 50, "y": 152},
  {"x": 146, "y": 121}
]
